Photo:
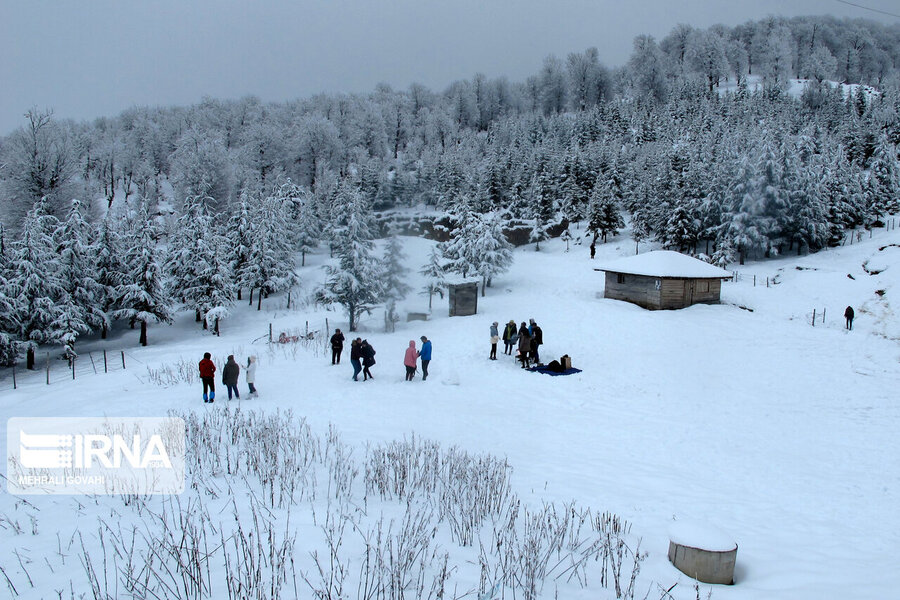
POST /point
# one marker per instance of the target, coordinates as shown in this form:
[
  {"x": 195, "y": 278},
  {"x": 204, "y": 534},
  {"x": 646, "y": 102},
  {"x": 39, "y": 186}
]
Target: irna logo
[{"x": 42, "y": 451}]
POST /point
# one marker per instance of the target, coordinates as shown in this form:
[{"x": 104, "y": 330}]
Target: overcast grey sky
[{"x": 97, "y": 57}]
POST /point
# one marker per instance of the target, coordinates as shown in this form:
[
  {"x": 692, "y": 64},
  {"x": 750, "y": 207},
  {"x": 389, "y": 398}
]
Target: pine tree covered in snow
[
  {"x": 393, "y": 271},
  {"x": 271, "y": 265},
  {"x": 34, "y": 280},
  {"x": 603, "y": 215},
  {"x": 238, "y": 232},
  {"x": 435, "y": 276},
  {"x": 9, "y": 309},
  {"x": 81, "y": 304},
  {"x": 883, "y": 184},
  {"x": 142, "y": 296},
  {"x": 355, "y": 282},
  {"x": 492, "y": 250},
  {"x": 110, "y": 268}
]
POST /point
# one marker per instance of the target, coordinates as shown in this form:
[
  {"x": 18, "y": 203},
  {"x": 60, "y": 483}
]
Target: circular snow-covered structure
[{"x": 702, "y": 552}]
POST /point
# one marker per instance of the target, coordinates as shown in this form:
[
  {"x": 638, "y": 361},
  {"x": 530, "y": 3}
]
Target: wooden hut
[
  {"x": 663, "y": 279},
  {"x": 463, "y": 298}
]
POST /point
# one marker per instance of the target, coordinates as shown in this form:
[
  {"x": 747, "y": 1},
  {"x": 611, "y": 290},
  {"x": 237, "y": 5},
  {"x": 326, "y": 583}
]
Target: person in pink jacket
[{"x": 410, "y": 360}]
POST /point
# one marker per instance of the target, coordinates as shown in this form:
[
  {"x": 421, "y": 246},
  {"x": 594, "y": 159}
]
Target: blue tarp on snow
[{"x": 547, "y": 371}]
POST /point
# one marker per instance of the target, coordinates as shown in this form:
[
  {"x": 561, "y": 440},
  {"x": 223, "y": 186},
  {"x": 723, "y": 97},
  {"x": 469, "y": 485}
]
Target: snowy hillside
[{"x": 743, "y": 415}]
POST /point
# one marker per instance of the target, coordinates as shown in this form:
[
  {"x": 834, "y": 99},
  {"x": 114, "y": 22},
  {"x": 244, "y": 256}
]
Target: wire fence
[{"x": 49, "y": 369}]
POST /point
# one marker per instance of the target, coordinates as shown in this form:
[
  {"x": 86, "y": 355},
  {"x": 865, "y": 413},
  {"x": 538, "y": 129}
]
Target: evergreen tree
[
  {"x": 110, "y": 268},
  {"x": 271, "y": 263},
  {"x": 81, "y": 304},
  {"x": 393, "y": 271},
  {"x": 142, "y": 296},
  {"x": 603, "y": 215},
  {"x": 682, "y": 229},
  {"x": 238, "y": 234},
  {"x": 883, "y": 183},
  {"x": 355, "y": 283},
  {"x": 433, "y": 270},
  {"x": 34, "y": 281},
  {"x": 492, "y": 249}
]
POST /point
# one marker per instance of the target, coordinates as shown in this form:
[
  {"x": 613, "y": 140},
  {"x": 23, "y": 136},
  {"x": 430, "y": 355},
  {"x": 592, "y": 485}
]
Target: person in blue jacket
[{"x": 425, "y": 355}]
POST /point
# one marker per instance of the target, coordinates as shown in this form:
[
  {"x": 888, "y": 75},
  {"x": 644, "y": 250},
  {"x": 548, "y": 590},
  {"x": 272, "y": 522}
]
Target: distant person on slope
[
  {"x": 425, "y": 354},
  {"x": 509, "y": 337},
  {"x": 337, "y": 347},
  {"x": 230, "y": 376},
  {"x": 410, "y": 360},
  {"x": 593, "y": 249},
  {"x": 848, "y": 315},
  {"x": 250, "y": 376},
  {"x": 524, "y": 345},
  {"x": 356, "y": 357},
  {"x": 208, "y": 377},
  {"x": 495, "y": 337}
]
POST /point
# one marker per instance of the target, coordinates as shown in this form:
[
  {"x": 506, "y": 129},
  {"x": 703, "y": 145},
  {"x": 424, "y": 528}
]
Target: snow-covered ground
[{"x": 741, "y": 415}]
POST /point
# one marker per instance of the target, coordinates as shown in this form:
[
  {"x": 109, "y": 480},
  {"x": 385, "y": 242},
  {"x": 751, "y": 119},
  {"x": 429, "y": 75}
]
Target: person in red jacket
[{"x": 208, "y": 377}]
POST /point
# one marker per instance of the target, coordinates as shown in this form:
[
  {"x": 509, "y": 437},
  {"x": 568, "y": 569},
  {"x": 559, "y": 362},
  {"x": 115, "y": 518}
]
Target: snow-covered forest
[{"x": 705, "y": 141}]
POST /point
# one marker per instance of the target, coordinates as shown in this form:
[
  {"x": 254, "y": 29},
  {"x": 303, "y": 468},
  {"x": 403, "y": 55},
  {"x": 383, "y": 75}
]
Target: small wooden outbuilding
[
  {"x": 663, "y": 279},
  {"x": 463, "y": 298}
]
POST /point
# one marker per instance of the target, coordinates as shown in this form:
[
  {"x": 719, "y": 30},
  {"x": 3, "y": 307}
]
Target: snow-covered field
[{"x": 782, "y": 434}]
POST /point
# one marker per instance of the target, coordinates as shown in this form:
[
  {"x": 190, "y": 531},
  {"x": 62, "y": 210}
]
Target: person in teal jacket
[{"x": 425, "y": 355}]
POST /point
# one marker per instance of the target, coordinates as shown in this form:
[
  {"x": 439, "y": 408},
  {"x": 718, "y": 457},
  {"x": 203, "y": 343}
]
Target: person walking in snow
[
  {"x": 356, "y": 357},
  {"x": 524, "y": 345},
  {"x": 425, "y": 355},
  {"x": 495, "y": 337},
  {"x": 593, "y": 249},
  {"x": 410, "y": 360},
  {"x": 848, "y": 315},
  {"x": 509, "y": 337},
  {"x": 250, "y": 375},
  {"x": 368, "y": 359},
  {"x": 337, "y": 347},
  {"x": 208, "y": 377},
  {"x": 230, "y": 377},
  {"x": 537, "y": 338}
]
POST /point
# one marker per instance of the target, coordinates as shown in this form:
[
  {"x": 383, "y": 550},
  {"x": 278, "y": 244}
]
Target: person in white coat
[{"x": 250, "y": 375}]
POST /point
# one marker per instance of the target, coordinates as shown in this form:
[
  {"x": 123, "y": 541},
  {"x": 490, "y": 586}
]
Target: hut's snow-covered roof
[{"x": 665, "y": 263}]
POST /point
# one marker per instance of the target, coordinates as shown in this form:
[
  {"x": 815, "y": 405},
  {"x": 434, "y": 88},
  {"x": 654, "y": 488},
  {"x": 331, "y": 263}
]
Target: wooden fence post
[
  {"x": 105, "y": 366},
  {"x": 14, "y": 376},
  {"x": 814, "y": 318},
  {"x": 92, "y": 363},
  {"x": 48, "y": 368},
  {"x": 73, "y": 368},
  {"x": 754, "y": 281},
  {"x": 123, "y": 359}
]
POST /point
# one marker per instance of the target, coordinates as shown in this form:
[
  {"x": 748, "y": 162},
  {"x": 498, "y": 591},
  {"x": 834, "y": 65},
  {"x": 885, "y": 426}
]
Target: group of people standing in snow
[
  {"x": 230, "y": 374},
  {"x": 362, "y": 356},
  {"x": 526, "y": 341}
]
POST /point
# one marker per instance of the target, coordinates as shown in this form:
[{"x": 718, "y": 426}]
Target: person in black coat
[
  {"x": 524, "y": 345},
  {"x": 356, "y": 357},
  {"x": 368, "y": 359},
  {"x": 848, "y": 315},
  {"x": 537, "y": 338},
  {"x": 337, "y": 347},
  {"x": 509, "y": 337}
]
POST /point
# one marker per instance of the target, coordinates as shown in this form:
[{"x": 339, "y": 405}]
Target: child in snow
[
  {"x": 410, "y": 360},
  {"x": 495, "y": 337},
  {"x": 250, "y": 377}
]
